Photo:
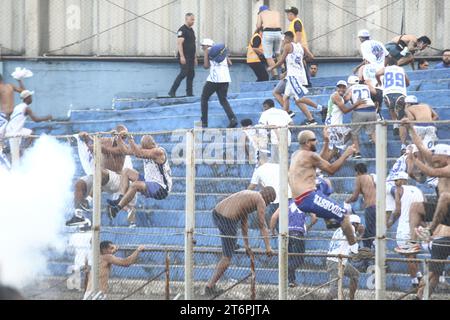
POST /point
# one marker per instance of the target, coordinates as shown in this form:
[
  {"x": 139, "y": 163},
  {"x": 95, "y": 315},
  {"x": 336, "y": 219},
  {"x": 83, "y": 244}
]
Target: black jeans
[
  {"x": 260, "y": 71},
  {"x": 186, "y": 71},
  {"x": 222, "y": 91},
  {"x": 370, "y": 215},
  {"x": 294, "y": 262}
]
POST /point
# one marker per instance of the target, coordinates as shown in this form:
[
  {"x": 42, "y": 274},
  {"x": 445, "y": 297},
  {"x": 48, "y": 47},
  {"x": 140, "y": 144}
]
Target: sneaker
[
  {"x": 424, "y": 234},
  {"x": 409, "y": 248},
  {"x": 132, "y": 226},
  {"x": 291, "y": 114},
  {"x": 292, "y": 285},
  {"x": 357, "y": 155},
  {"x": 415, "y": 283},
  {"x": 233, "y": 123},
  {"x": 213, "y": 292},
  {"x": 312, "y": 122},
  {"x": 84, "y": 205},
  {"x": 172, "y": 94},
  {"x": 113, "y": 211},
  {"x": 112, "y": 203},
  {"x": 76, "y": 221}
]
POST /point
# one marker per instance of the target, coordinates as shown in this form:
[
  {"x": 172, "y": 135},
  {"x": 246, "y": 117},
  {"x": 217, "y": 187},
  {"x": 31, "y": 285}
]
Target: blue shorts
[
  {"x": 153, "y": 190},
  {"x": 321, "y": 205}
]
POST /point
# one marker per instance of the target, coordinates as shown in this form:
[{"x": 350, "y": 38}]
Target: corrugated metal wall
[{"x": 331, "y": 25}]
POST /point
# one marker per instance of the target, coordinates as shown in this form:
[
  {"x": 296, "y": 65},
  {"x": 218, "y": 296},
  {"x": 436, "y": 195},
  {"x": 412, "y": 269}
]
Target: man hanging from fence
[
  {"x": 156, "y": 182},
  {"x": 302, "y": 180},
  {"x": 340, "y": 246},
  {"x": 107, "y": 260},
  {"x": 405, "y": 196},
  {"x": 226, "y": 215},
  {"x": 113, "y": 162}
]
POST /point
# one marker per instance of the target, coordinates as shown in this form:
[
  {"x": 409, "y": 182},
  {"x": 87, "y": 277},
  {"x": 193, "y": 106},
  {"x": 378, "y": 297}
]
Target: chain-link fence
[
  {"x": 196, "y": 234},
  {"x": 148, "y": 28}
]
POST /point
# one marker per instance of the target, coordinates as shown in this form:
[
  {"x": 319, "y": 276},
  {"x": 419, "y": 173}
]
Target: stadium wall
[{"x": 54, "y": 27}]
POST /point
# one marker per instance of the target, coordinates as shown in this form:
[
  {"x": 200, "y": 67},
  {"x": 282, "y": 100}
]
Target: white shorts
[
  {"x": 113, "y": 185},
  {"x": 89, "y": 295},
  {"x": 390, "y": 200},
  {"x": 403, "y": 235},
  {"x": 294, "y": 88},
  {"x": 427, "y": 134}
]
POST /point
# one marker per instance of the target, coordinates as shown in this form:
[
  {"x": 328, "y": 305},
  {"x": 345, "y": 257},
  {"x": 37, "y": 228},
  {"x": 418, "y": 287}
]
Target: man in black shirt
[{"x": 186, "y": 54}]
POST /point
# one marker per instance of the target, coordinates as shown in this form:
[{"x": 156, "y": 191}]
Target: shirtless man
[
  {"x": 7, "y": 103},
  {"x": 440, "y": 250},
  {"x": 113, "y": 160},
  {"x": 422, "y": 112},
  {"x": 226, "y": 215},
  {"x": 302, "y": 180},
  {"x": 365, "y": 185},
  {"x": 403, "y": 48},
  {"x": 156, "y": 182},
  {"x": 107, "y": 260},
  {"x": 270, "y": 22},
  {"x": 437, "y": 164}
]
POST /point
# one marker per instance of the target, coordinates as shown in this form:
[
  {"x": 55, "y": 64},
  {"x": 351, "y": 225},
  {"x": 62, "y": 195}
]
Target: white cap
[
  {"x": 25, "y": 94},
  {"x": 353, "y": 80},
  {"x": 441, "y": 150},
  {"x": 341, "y": 83},
  {"x": 364, "y": 33},
  {"x": 411, "y": 99},
  {"x": 207, "y": 42},
  {"x": 355, "y": 219},
  {"x": 401, "y": 176}
]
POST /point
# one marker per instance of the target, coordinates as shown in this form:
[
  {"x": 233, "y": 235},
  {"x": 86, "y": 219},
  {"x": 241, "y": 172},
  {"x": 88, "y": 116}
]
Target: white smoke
[{"x": 34, "y": 197}]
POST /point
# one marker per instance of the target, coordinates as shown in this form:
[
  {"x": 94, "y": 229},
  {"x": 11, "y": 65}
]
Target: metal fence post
[
  {"x": 283, "y": 238},
  {"x": 380, "y": 249},
  {"x": 426, "y": 271},
  {"x": 167, "y": 288},
  {"x": 340, "y": 279},
  {"x": 190, "y": 217},
  {"x": 96, "y": 215}
]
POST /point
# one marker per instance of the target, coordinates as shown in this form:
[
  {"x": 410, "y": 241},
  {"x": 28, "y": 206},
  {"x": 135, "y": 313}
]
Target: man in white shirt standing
[
  {"x": 340, "y": 245},
  {"x": 272, "y": 116},
  {"x": 374, "y": 52},
  {"x": 217, "y": 61}
]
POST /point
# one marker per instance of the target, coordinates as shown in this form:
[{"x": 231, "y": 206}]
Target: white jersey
[
  {"x": 394, "y": 80},
  {"x": 361, "y": 91},
  {"x": 294, "y": 63},
  {"x": 17, "y": 121},
  {"x": 399, "y": 166},
  {"x": 369, "y": 73},
  {"x": 374, "y": 52},
  {"x": 339, "y": 245},
  {"x": 219, "y": 72},
  {"x": 410, "y": 195},
  {"x": 159, "y": 173},
  {"x": 335, "y": 116},
  {"x": 268, "y": 175}
]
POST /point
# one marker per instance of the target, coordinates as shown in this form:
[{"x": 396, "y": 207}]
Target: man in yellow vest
[
  {"x": 255, "y": 57},
  {"x": 298, "y": 29}
]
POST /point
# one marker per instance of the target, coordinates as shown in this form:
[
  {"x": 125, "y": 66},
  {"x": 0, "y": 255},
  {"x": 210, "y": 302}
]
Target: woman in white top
[{"x": 217, "y": 61}]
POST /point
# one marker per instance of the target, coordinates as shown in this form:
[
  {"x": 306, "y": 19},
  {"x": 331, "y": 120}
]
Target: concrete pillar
[{"x": 32, "y": 28}]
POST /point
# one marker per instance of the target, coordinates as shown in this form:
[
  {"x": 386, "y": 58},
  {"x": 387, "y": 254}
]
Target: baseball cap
[
  {"x": 411, "y": 100},
  {"x": 353, "y": 80},
  {"x": 293, "y": 10},
  {"x": 25, "y": 94},
  {"x": 441, "y": 150},
  {"x": 400, "y": 176},
  {"x": 207, "y": 42},
  {"x": 355, "y": 219},
  {"x": 364, "y": 33},
  {"x": 263, "y": 8},
  {"x": 341, "y": 83}
]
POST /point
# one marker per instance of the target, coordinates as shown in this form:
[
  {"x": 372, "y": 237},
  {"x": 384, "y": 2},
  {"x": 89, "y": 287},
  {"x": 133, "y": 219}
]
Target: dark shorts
[
  {"x": 396, "y": 102},
  {"x": 227, "y": 228},
  {"x": 321, "y": 205},
  {"x": 153, "y": 190},
  {"x": 378, "y": 97},
  {"x": 440, "y": 251}
]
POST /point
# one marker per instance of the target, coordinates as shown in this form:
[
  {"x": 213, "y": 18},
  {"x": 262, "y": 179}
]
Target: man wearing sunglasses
[{"x": 302, "y": 180}]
